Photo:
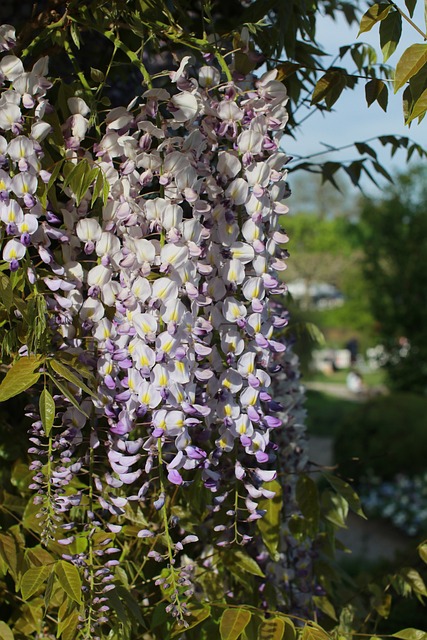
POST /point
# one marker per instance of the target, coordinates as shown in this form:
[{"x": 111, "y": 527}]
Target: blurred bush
[{"x": 384, "y": 436}]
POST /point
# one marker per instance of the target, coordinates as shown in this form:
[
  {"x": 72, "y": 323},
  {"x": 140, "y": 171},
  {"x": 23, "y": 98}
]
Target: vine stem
[
  {"x": 81, "y": 76},
  {"x": 173, "y": 580},
  {"x": 224, "y": 66},
  {"x": 50, "y": 513},
  {"x": 409, "y": 21},
  {"x": 110, "y": 35}
]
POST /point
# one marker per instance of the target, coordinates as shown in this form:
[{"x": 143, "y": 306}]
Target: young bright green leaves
[{"x": 21, "y": 376}]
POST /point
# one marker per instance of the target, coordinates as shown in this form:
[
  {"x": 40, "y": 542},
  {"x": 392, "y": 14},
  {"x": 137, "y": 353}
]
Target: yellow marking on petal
[
  {"x": 167, "y": 346},
  {"x": 180, "y": 396},
  {"x": 222, "y": 443},
  {"x": 227, "y": 410}
]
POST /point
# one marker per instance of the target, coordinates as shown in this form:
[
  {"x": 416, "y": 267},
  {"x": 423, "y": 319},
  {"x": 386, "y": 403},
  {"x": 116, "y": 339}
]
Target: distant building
[{"x": 319, "y": 295}]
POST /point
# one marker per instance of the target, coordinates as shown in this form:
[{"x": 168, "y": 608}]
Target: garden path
[{"x": 371, "y": 539}]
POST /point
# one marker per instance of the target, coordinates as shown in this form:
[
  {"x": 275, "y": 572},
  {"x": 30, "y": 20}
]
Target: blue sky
[{"x": 352, "y": 120}]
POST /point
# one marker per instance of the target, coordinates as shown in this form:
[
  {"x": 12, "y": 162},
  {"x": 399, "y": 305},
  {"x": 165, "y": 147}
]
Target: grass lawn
[{"x": 325, "y": 412}]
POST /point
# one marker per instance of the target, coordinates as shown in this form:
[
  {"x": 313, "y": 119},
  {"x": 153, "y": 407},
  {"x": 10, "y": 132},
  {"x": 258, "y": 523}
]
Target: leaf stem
[{"x": 408, "y": 19}]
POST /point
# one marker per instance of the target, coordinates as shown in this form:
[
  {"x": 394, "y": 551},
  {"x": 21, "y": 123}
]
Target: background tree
[{"x": 394, "y": 236}]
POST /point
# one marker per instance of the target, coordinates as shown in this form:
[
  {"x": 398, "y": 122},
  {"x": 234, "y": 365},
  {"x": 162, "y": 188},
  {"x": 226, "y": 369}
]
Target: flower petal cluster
[{"x": 157, "y": 249}]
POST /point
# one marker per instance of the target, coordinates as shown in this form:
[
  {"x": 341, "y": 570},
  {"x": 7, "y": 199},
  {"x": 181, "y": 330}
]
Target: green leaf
[
  {"x": 47, "y": 410},
  {"x": 411, "y": 634},
  {"x": 54, "y": 175},
  {"x": 74, "y": 32},
  {"x": 66, "y": 373},
  {"x": 9, "y": 554},
  {"x": 233, "y": 622},
  {"x": 97, "y": 187},
  {"x": 374, "y": 14},
  {"x": 20, "y": 377},
  {"x": 335, "y": 508},
  {"x": 314, "y": 333},
  {"x": 314, "y": 633},
  {"x": 269, "y": 524},
  {"x": 33, "y": 579},
  {"x": 412, "y": 60},
  {"x": 413, "y": 578},
  {"x": 345, "y": 490},
  {"x": 63, "y": 389},
  {"x": 422, "y": 550},
  {"x": 197, "y": 615},
  {"x": 96, "y": 75},
  {"x": 326, "y": 606},
  {"x": 69, "y": 626},
  {"x": 69, "y": 579},
  {"x": 75, "y": 176},
  {"x": 6, "y": 292},
  {"x": 271, "y": 629},
  {"x": 88, "y": 178},
  {"x": 6, "y": 632},
  {"x": 390, "y": 32},
  {"x": 245, "y": 563},
  {"x": 419, "y": 108}
]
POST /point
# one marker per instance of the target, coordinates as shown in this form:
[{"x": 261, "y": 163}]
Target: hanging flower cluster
[{"x": 156, "y": 250}]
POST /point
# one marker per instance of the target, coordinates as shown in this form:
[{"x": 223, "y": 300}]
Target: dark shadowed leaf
[
  {"x": 410, "y": 5},
  {"x": 269, "y": 524},
  {"x": 307, "y": 497},
  {"x": 347, "y": 492},
  {"x": 6, "y": 292},
  {"x": 390, "y": 32}
]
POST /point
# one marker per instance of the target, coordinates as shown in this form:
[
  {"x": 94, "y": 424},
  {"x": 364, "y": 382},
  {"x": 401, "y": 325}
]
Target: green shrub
[{"x": 385, "y": 436}]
